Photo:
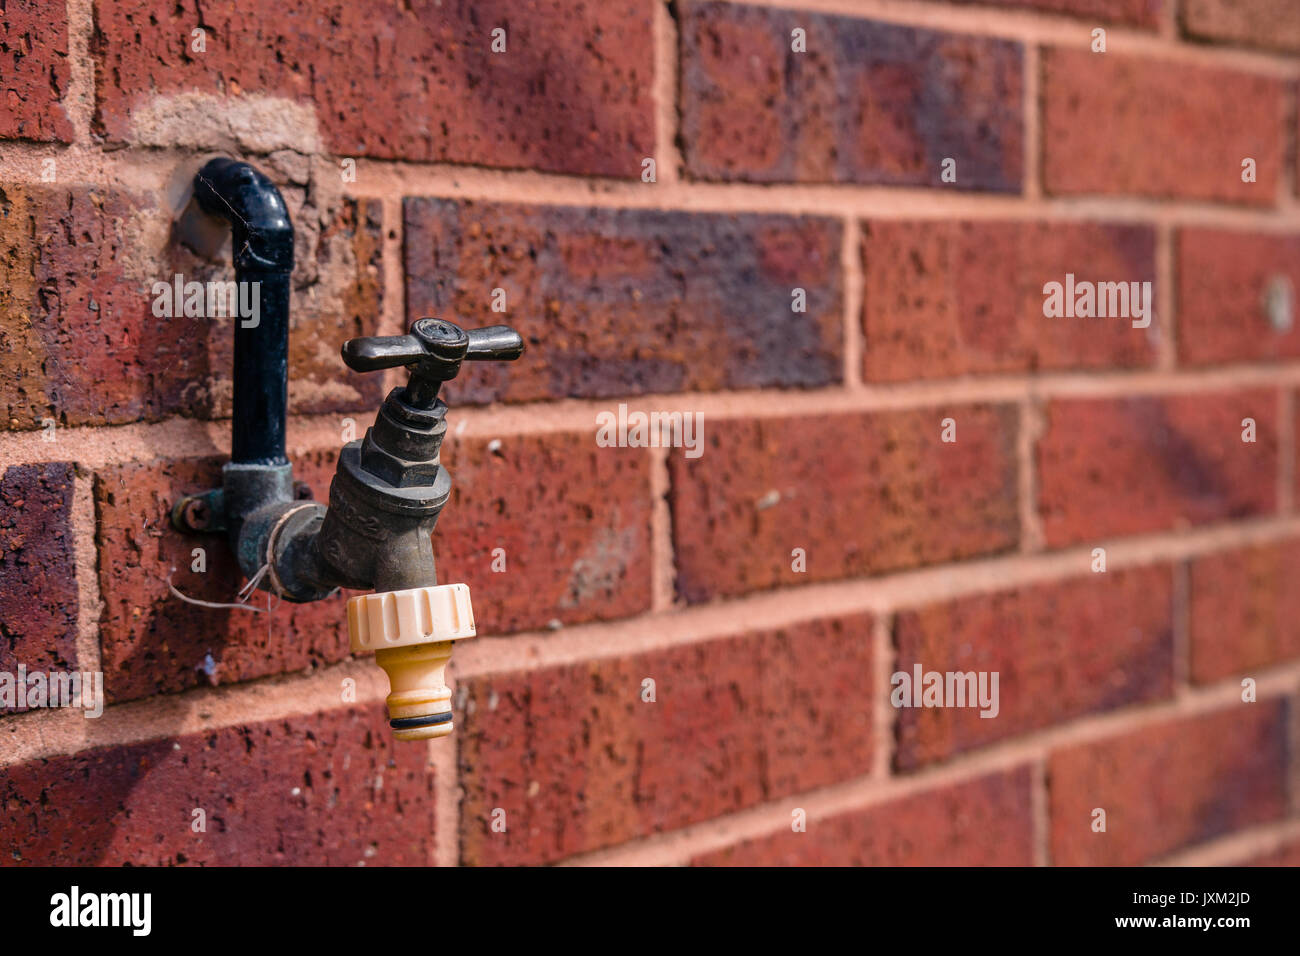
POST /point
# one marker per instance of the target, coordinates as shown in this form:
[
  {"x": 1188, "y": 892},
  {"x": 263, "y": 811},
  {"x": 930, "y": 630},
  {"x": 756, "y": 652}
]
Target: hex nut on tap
[{"x": 411, "y": 632}]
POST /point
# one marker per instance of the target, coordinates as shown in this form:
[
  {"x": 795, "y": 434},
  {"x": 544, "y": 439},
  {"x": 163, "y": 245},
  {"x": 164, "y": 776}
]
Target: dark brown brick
[
  {"x": 1168, "y": 786},
  {"x": 1226, "y": 284},
  {"x": 859, "y": 493},
  {"x": 578, "y": 760},
  {"x": 327, "y": 789},
  {"x": 1244, "y": 610},
  {"x": 982, "y": 822},
  {"x": 34, "y": 71},
  {"x": 954, "y": 298},
  {"x": 38, "y": 569},
  {"x": 1124, "y": 466},
  {"x": 867, "y": 103},
  {"x": 1127, "y": 125},
  {"x": 624, "y": 302},
  {"x": 571, "y": 94},
  {"x": 1061, "y": 651}
]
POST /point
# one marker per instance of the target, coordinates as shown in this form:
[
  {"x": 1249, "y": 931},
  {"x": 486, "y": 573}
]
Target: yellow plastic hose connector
[{"x": 411, "y": 633}]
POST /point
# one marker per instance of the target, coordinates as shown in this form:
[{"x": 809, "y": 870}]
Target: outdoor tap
[{"x": 388, "y": 488}]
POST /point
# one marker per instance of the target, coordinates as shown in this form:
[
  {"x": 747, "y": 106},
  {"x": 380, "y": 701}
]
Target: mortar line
[
  {"x": 149, "y": 172},
  {"x": 1033, "y": 126},
  {"x": 1030, "y": 427},
  {"x": 1041, "y": 811},
  {"x": 444, "y": 756},
  {"x": 883, "y": 714},
  {"x": 853, "y": 276},
  {"x": 1169, "y": 19},
  {"x": 79, "y": 102},
  {"x": 103, "y": 445},
  {"x": 85, "y": 532},
  {"x": 663, "y": 565},
  {"x": 392, "y": 318},
  {"x": 668, "y": 159}
]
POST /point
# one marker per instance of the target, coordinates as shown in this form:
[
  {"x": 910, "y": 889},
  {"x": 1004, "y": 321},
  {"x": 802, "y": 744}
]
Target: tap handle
[
  {"x": 495, "y": 343},
  {"x": 432, "y": 351},
  {"x": 435, "y": 347}
]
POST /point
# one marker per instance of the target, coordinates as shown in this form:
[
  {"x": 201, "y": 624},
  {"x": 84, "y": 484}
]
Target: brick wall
[{"x": 825, "y": 537}]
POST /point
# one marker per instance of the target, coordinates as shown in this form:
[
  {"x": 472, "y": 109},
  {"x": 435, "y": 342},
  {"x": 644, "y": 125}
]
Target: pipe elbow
[{"x": 251, "y": 203}]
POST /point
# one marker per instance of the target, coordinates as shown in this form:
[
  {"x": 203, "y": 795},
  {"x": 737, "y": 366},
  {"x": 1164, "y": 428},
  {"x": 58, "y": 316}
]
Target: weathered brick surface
[
  {"x": 866, "y": 103},
  {"x": 1141, "y": 13},
  {"x": 578, "y": 760},
  {"x": 1271, "y": 24},
  {"x": 859, "y": 493},
  {"x": 1244, "y": 610},
  {"x": 1168, "y": 786},
  {"x": 1112, "y": 467},
  {"x": 38, "y": 571},
  {"x": 78, "y": 338},
  {"x": 1117, "y": 124},
  {"x": 154, "y": 643},
  {"x": 34, "y": 71},
  {"x": 946, "y": 298},
  {"x": 624, "y": 302},
  {"x": 986, "y": 821},
  {"x": 1060, "y": 650},
  {"x": 572, "y": 92},
  {"x": 572, "y": 520},
  {"x": 1237, "y": 296},
  {"x": 320, "y": 789}
]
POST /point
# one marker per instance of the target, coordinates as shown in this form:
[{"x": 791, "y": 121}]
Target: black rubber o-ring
[{"x": 408, "y": 723}]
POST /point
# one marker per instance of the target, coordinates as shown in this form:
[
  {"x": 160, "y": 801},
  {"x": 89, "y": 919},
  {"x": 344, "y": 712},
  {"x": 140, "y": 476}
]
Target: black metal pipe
[{"x": 263, "y": 253}]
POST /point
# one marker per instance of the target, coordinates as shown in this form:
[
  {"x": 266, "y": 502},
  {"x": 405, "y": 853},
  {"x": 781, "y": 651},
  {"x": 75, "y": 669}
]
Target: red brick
[
  {"x": 1115, "y": 124},
  {"x": 1061, "y": 651},
  {"x": 572, "y": 518},
  {"x": 859, "y": 493},
  {"x": 867, "y": 103},
  {"x": 953, "y": 298},
  {"x": 321, "y": 789},
  {"x": 577, "y": 760},
  {"x": 1271, "y": 24},
  {"x": 626, "y": 301},
  {"x": 152, "y": 642},
  {"x": 38, "y": 569},
  {"x": 1168, "y": 786},
  {"x": 982, "y": 822},
  {"x": 1224, "y": 281},
  {"x": 414, "y": 81},
  {"x": 1245, "y": 610},
  {"x": 1140, "y": 13},
  {"x": 34, "y": 71},
  {"x": 76, "y": 313},
  {"x": 1118, "y": 466}
]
